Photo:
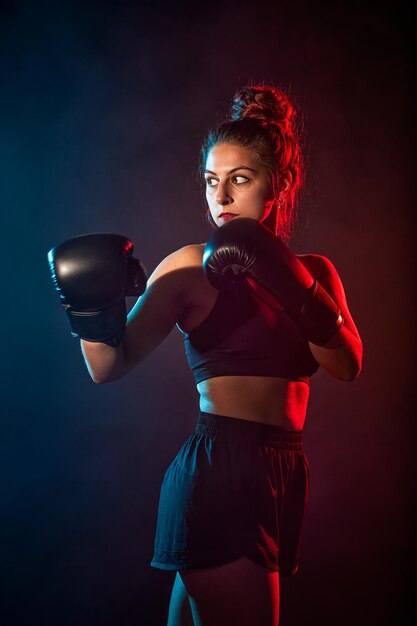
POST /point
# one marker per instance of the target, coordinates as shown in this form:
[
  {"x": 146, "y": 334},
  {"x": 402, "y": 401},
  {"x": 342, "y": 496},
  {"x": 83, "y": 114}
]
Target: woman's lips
[{"x": 227, "y": 216}]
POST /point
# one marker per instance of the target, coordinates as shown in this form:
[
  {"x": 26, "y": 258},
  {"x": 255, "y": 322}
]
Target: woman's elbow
[
  {"x": 98, "y": 380},
  {"x": 352, "y": 375},
  {"x": 350, "y": 372},
  {"x": 102, "y": 379}
]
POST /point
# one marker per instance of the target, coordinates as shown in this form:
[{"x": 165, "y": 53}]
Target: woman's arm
[
  {"x": 342, "y": 356},
  {"x": 168, "y": 294}
]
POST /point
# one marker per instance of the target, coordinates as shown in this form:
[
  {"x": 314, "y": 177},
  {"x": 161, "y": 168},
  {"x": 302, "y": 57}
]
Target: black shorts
[{"x": 236, "y": 488}]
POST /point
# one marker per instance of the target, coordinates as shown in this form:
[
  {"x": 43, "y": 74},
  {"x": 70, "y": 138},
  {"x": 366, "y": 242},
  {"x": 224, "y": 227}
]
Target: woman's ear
[{"x": 285, "y": 181}]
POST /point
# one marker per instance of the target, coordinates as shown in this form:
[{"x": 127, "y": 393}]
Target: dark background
[{"x": 103, "y": 109}]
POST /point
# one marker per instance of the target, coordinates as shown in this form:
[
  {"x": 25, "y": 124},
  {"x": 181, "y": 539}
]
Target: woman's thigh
[
  {"x": 179, "y": 613},
  {"x": 241, "y": 592}
]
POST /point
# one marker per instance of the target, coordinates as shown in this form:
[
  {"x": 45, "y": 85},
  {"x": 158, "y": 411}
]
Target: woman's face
[{"x": 237, "y": 184}]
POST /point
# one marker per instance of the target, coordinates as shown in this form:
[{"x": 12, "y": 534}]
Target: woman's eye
[
  {"x": 211, "y": 182},
  {"x": 240, "y": 179}
]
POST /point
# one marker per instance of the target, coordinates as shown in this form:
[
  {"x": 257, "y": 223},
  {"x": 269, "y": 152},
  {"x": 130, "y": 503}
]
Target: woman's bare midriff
[{"x": 269, "y": 400}]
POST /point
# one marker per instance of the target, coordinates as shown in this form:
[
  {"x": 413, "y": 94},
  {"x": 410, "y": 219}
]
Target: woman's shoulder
[
  {"x": 182, "y": 266},
  {"x": 317, "y": 264},
  {"x": 323, "y": 270},
  {"x": 192, "y": 250},
  {"x": 190, "y": 254}
]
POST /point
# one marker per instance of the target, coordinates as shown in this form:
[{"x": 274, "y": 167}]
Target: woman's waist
[
  {"x": 227, "y": 427},
  {"x": 276, "y": 401}
]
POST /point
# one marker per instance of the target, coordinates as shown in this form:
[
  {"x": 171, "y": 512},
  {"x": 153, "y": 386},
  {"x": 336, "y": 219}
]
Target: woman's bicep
[
  {"x": 342, "y": 361},
  {"x": 323, "y": 270},
  {"x": 331, "y": 281}
]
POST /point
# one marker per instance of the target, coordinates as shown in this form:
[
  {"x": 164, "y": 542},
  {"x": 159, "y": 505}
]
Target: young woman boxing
[{"x": 257, "y": 321}]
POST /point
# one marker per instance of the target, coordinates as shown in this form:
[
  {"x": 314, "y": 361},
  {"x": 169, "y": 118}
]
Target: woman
[{"x": 257, "y": 321}]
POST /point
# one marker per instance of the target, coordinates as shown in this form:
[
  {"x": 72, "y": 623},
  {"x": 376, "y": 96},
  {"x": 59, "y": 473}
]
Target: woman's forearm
[
  {"x": 341, "y": 357},
  {"x": 104, "y": 363}
]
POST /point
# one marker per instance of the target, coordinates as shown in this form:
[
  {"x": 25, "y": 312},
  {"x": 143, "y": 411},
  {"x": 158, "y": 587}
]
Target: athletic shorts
[{"x": 236, "y": 488}]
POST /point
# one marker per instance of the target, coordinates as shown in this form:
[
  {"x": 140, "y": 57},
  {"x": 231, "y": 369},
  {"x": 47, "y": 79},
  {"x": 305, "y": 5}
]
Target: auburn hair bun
[{"x": 266, "y": 104}]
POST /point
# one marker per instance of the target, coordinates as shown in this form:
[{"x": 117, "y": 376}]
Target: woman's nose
[{"x": 223, "y": 196}]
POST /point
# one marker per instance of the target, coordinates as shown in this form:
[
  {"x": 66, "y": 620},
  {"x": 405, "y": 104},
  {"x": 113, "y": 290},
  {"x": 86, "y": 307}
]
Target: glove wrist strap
[{"x": 105, "y": 326}]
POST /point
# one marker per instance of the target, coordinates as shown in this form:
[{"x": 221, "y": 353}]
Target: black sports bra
[{"x": 245, "y": 336}]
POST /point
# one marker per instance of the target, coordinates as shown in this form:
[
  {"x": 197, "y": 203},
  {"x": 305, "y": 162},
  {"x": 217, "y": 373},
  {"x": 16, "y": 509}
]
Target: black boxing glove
[
  {"x": 244, "y": 248},
  {"x": 93, "y": 274}
]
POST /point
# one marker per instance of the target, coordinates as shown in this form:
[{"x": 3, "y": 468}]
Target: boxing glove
[
  {"x": 244, "y": 249},
  {"x": 92, "y": 275}
]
